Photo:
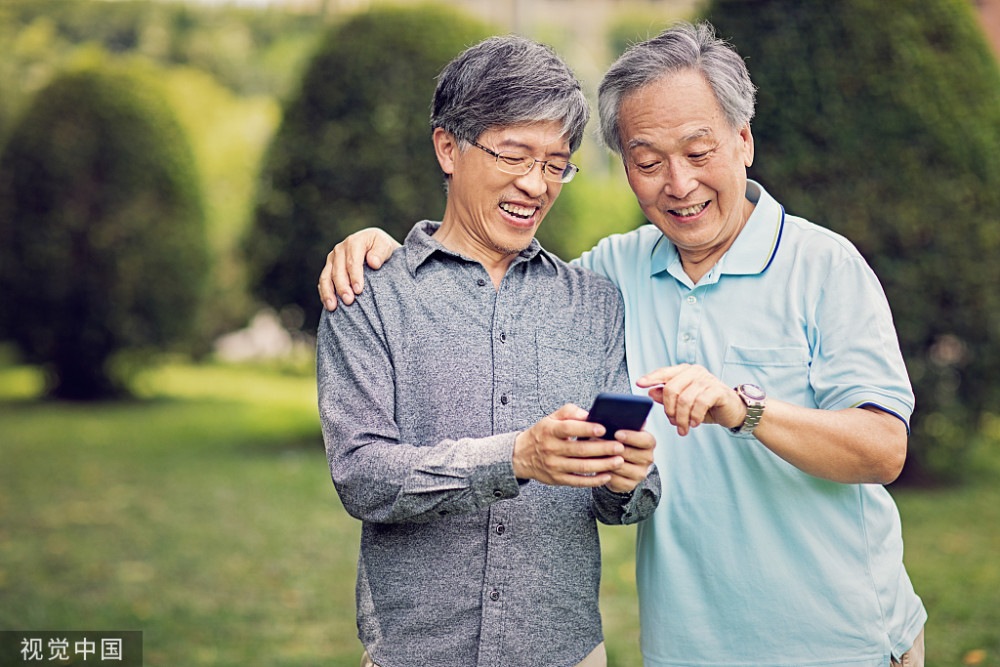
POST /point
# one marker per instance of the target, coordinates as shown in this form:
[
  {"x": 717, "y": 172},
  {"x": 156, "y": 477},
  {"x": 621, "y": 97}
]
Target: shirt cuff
[{"x": 494, "y": 479}]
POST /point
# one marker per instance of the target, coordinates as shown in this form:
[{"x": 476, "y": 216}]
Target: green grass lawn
[{"x": 204, "y": 516}]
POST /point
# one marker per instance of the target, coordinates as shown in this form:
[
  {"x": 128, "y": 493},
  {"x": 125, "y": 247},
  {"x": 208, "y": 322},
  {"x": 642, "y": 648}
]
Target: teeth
[
  {"x": 519, "y": 211},
  {"x": 690, "y": 210}
]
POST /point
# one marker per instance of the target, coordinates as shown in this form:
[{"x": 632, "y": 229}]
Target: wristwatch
[{"x": 755, "y": 399}]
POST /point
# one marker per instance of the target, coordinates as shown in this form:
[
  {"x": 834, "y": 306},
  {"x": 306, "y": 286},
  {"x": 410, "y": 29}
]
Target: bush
[
  {"x": 354, "y": 149},
  {"x": 882, "y": 121},
  {"x": 102, "y": 242}
]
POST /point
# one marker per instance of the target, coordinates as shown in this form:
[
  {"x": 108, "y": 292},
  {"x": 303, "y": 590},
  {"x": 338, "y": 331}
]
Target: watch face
[{"x": 753, "y": 391}]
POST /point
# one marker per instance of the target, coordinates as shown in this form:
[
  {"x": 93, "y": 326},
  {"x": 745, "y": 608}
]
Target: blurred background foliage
[
  {"x": 99, "y": 201},
  {"x": 223, "y": 71}
]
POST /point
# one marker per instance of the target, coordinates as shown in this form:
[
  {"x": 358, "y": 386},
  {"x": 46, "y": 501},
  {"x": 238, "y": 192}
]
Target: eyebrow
[
  {"x": 694, "y": 136},
  {"x": 510, "y": 143}
]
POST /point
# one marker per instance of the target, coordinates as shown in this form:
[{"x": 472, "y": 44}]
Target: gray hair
[
  {"x": 681, "y": 47},
  {"x": 505, "y": 81}
]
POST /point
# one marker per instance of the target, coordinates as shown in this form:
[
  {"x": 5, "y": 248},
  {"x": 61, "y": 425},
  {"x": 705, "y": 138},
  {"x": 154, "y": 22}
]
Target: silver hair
[
  {"x": 504, "y": 81},
  {"x": 684, "y": 46}
]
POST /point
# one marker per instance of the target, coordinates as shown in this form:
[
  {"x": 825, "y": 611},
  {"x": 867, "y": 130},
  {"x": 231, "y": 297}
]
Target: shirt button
[
  {"x": 503, "y": 337},
  {"x": 494, "y": 595},
  {"x": 692, "y": 299},
  {"x": 501, "y": 530},
  {"x": 686, "y": 337},
  {"x": 498, "y": 493},
  {"x": 481, "y": 282},
  {"x": 504, "y": 399}
]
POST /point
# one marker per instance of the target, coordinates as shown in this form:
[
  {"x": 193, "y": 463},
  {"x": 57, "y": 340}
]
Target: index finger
[{"x": 661, "y": 375}]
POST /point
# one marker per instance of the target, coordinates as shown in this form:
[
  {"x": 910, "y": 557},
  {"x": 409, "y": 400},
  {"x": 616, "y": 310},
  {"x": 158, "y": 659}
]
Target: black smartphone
[{"x": 620, "y": 411}]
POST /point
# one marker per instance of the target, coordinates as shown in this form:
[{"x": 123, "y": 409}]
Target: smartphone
[{"x": 620, "y": 411}]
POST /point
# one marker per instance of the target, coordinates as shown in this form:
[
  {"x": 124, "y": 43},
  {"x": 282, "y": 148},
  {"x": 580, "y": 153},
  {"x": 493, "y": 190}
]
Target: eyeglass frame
[{"x": 571, "y": 169}]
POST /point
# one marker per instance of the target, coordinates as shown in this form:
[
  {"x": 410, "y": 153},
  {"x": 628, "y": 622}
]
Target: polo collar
[
  {"x": 751, "y": 252},
  {"x": 421, "y": 246}
]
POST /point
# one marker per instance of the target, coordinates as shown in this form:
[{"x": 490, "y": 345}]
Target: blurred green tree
[
  {"x": 881, "y": 120},
  {"x": 252, "y": 51},
  {"x": 354, "y": 147},
  {"x": 102, "y": 239}
]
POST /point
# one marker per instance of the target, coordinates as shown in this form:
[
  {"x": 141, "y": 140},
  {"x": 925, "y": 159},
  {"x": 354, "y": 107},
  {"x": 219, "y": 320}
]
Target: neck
[
  {"x": 458, "y": 238},
  {"x": 698, "y": 262}
]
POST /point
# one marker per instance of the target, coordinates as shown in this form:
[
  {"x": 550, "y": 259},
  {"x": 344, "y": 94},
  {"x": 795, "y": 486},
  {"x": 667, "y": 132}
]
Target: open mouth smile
[
  {"x": 520, "y": 212},
  {"x": 689, "y": 211}
]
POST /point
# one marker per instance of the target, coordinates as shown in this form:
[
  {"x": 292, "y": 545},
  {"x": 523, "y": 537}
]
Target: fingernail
[
  {"x": 330, "y": 304},
  {"x": 356, "y": 287}
]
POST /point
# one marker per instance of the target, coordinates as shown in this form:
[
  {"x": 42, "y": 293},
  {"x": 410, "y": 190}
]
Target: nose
[
  {"x": 680, "y": 180},
  {"x": 533, "y": 183}
]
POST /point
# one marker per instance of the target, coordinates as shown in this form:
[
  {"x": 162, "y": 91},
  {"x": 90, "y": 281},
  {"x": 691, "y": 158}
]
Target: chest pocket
[
  {"x": 782, "y": 371},
  {"x": 569, "y": 369}
]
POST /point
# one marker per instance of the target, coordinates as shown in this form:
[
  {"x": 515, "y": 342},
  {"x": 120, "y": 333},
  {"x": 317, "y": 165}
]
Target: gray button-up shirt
[{"x": 423, "y": 386}]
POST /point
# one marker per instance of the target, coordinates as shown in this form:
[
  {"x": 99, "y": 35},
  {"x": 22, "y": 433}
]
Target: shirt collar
[
  {"x": 421, "y": 246},
  {"x": 751, "y": 252}
]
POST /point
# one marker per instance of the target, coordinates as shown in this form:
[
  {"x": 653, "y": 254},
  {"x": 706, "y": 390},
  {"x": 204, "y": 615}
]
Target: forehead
[
  {"x": 679, "y": 108},
  {"x": 545, "y": 135}
]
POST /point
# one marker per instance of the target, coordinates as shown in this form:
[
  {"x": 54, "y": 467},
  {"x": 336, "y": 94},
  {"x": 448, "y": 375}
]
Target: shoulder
[
  {"x": 393, "y": 276},
  {"x": 626, "y": 245},
  {"x": 619, "y": 256},
  {"x": 815, "y": 263},
  {"x": 810, "y": 250},
  {"x": 801, "y": 234},
  {"x": 581, "y": 279},
  {"x": 384, "y": 292}
]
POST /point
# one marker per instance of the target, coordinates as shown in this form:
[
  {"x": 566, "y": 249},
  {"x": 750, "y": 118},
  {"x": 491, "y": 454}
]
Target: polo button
[
  {"x": 692, "y": 299},
  {"x": 503, "y": 338},
  {"x": 481, "y": 282},
  {"x": 494, "y": 595},
  {"x": 504, "y": 399},
  {"x": 498, "y": 493},
  {"x": 501, "y": 530}
]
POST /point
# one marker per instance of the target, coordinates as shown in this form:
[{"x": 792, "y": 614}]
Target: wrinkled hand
[
  {"x": 548, "y": 453},
  {"x": 638, "y": 457},
  {"x": 344, "y": 273},
  {"x": 692, "y": 396}
]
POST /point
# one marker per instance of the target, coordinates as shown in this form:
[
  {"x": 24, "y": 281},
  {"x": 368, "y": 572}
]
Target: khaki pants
[
  {"x": 915, "y": 656},
  {"x": 597, "y": 658}
]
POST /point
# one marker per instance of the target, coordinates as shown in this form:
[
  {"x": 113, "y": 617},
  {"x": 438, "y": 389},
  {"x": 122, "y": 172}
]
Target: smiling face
[
  {"x": 687, "y": 166},
  {"x": 491, "y": 216}
]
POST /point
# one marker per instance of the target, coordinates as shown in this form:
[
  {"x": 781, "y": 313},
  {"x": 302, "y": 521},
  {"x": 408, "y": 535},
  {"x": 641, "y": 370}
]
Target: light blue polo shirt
[{"x": 748, "y": 560}]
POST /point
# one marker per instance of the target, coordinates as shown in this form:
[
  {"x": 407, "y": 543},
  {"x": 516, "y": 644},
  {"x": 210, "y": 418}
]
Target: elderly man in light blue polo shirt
[{"x": 770, "y": 344}]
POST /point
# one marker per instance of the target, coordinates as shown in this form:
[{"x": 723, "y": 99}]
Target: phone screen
[{"x": 620, "y": 411}]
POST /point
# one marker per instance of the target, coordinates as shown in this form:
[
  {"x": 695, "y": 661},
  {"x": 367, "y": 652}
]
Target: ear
[
  {"x": 446, "y": 149},
  {"x": 747, "y": 136}
]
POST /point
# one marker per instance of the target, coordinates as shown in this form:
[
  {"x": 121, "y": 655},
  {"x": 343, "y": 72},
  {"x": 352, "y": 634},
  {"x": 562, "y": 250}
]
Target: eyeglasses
[{"x": 557, "y": 171}]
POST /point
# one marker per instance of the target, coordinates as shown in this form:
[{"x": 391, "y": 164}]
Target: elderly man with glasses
[{"x": 449, "y": 395}]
